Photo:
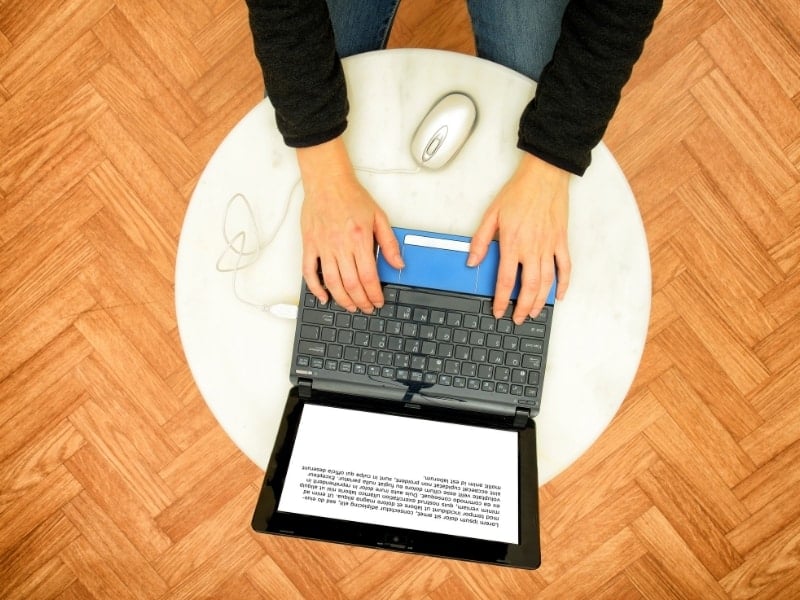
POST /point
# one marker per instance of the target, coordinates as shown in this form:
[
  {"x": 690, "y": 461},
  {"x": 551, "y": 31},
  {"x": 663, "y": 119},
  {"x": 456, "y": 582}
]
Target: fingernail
[{"x": 472, "y": 260}]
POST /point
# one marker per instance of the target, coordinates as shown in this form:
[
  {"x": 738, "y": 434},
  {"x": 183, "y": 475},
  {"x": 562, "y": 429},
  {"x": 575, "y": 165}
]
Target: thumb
[
  {"x": 388, "y": 242},
  {"x": 482, "y": 238}
]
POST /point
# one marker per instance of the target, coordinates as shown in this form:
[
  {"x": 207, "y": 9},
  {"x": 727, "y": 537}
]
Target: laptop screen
[{"x": 398, "y": 471}]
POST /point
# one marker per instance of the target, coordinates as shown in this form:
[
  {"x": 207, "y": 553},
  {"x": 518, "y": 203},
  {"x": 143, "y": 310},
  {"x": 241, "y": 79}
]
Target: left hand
[{"x": 531, "y": 213}]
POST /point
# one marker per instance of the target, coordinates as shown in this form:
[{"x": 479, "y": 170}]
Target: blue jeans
[{"x": 519, "y": 34}]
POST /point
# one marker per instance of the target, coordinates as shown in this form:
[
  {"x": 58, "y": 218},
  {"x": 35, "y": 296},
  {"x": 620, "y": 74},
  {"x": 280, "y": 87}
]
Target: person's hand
[
  {"x": 338, "y": 222},
  {"x": 531, "y": 214}
]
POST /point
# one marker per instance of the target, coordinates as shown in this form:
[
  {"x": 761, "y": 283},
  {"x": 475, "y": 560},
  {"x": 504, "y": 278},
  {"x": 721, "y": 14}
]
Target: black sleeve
[
  {"x": 303, "y": 75},
  {"x": 579, "y": 90}
]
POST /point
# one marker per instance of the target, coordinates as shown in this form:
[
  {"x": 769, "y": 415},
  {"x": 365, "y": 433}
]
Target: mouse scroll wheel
[{"x": 435, "y": 143}]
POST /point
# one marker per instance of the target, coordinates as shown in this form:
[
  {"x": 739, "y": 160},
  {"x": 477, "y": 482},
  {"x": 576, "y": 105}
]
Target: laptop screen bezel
[{"x": 268, "y": 519}]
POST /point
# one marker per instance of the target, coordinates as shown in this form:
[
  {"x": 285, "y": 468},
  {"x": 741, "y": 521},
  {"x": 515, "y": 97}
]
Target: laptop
[{"x": 411, "y": 429}]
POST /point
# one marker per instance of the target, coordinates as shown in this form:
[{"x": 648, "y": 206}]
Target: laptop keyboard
[{"x": 427, "y": 339}]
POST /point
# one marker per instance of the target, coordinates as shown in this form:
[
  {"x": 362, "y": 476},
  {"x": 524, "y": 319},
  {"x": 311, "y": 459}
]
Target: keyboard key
[
  {"x": 460, "y": 336},
  {"x": 404, "y": 312},
  {"x": 302, "y": 361},
  {"x": 519, "y": 376},
  {"x": 345, "y": 367},
  {"x": 317, "y": 363},
  {"x": 309, "y": 332},
  {"x": 311, "y": 348},
  {"x": 479, "y": 354},
  {"x": 487, "y": 386},
  {"x": 532, "y": 362},
  {"x": 428, "y": 348},
  {"x": 516, "y": 390},
  {"x": 390, "y": 294},
  {"x": 385, "y": 358},
  {"x": 345, "y": 336},
  {"x": 360, "y": 322},
  {"x": 359, "y": 369},
  {"x": 469, "y": 369},
  {"x": 496, "y": 357},
  {"x": 418, "y": 362},
  {"x": 445, "y": 379},
  {"x": 427, "y": 332},
  {"x": 461, "y": 353},
  {"x": 420, "y": 315},
  {"x": 511, "y": 342},
  {"x": 376, "y": 325},
  {"x": 361, "y": 339},
  {"x": 531, "y": 392},
  {"x": 533, "y": 378},
  {"x": 473, "y": 384},
  {"x": 505, "y": 326},
  {"x": 531, "y": 346},
  {"x": 401, "y": 374},
  {"x": 387, "y": 311},
  {"x": 459, "y": 382},
  {"x": 502, "y": 373},
  {"x": 437, "y": 317},
  {"x": 452, "y": 366},
  {"x": 328, "y": 334},
  {"x": 373, "y": 370},
  {"x": 402, "y": 360},
  {"x": 343, "y": 319},
  {"x": 387, "y": 372},
  {"x": 317, "y": 317},
  {"x": 513, "y": 359},
  {"x": 334, "y": 351},
  {"x": 412, "y": 346},
  {"x": 429, "y": 378},
  {"x": 352, "y": 353},
  {"x": 394, "y": 327},
  {"x": 368, "y": 355},
  {"x": 310, "y": 301},
  {"x": 377, "y": 340},
  {"x": 488, "y": 323},
  {"x": 460, "y": 304},
  {"x": 530, "y": 329},
  {"x": 410, "y": 329},
  {"x": 477, "y": 338},
  {"x": 415, "y": 376},
  {"x": 434, "y": 365},
  {"x": 395, "y": 343},
  {"x": 485, "y": 371},
  {"x": 501, "y": 388},
  {"x": 470, "y": 321},
  {"x": 494, "y": 340},
  {"x": 454, "y": 319},
  {"x": 445, "y": 350},
  {"x": 330, "y": 365}
]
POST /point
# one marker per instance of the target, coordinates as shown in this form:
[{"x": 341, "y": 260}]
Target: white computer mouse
[{"x": 443, "y": 131}]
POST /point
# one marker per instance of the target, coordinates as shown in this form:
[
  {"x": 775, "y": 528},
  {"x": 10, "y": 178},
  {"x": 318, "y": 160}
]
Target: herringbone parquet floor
[{"x": 115, "y": 480}]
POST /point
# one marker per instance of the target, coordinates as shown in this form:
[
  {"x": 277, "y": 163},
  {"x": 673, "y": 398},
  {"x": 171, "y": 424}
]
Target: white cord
[{"x": 246, "y": 257}]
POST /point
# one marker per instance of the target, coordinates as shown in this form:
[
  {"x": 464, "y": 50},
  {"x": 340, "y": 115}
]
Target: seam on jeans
[{"x": 389, "y": 24}]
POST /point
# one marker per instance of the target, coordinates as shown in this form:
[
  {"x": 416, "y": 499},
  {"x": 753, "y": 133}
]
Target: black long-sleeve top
[{"x": 576, "y": 97}]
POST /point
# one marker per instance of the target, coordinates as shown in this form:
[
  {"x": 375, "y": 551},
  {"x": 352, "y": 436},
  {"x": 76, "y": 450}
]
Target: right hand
[{"x": 339, "y": 222}]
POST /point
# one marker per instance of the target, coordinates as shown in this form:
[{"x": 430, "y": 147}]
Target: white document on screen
[{"x": 402, "y": 472}]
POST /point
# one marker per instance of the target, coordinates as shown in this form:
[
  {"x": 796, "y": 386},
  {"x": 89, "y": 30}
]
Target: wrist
[
  {"x": 533, "y": 167},
  {"x": 324, "y": 162}
]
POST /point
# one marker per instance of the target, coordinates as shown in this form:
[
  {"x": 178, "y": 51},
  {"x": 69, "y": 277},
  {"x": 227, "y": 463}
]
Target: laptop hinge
[
  {"x": 521, "y": 417},
  {"x": 304, "y": 388}
]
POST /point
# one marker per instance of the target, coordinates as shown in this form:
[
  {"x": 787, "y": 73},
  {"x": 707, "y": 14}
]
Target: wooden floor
[{"x": 116, "y": 481}]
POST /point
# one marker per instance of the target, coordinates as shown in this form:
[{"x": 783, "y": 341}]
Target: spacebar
[{"x": 437, "y": 301}]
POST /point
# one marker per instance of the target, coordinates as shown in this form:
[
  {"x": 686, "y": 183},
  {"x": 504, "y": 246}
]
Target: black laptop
[{"x": 411, "y": 429}]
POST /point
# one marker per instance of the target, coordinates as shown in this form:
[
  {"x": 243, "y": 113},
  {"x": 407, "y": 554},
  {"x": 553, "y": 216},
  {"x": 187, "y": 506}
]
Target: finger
[
  {"x": 482, "y": 238},
  {"x": 333, "y": 281},
  {"x": 548, "y": 274},
  {"x": 506, "y": 279},
  {"x": 368, "y": 276},
  {"x": 564, "y": 266},
  {"x": 529, "y": 288},
  {"x": 351, "y": 283},
  {"x": 310, "y": 265},
  {"x": 386, "y": 239}
]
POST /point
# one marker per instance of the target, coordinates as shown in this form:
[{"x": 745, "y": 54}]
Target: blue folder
[{"x": 439, "y": 261}]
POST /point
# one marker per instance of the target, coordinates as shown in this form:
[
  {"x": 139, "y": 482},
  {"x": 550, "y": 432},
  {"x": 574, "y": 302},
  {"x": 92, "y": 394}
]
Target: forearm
[
  {"x": 580, "y": 88},
  {"x": 294, "y": 44}
]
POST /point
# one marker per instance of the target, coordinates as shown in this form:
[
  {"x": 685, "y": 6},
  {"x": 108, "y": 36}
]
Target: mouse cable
[{"x": 247, "y": 256}]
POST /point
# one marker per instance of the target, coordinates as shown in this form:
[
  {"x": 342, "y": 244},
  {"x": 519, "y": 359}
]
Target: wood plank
[
  {"x": 116, "y": 550},
  {"x": 708, "y": 436},
  {"x": 740, "y": 124},
  {"x": 112, "y": 494},
  {"x": 768, "y": 483},
  {"x": 686, "y": 572}
]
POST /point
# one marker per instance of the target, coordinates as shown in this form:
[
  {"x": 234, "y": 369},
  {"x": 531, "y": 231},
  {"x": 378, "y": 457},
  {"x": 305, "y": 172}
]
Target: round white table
[{"x": 239, "y": 355}]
